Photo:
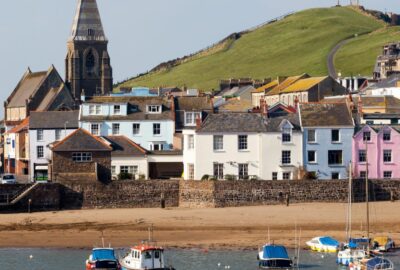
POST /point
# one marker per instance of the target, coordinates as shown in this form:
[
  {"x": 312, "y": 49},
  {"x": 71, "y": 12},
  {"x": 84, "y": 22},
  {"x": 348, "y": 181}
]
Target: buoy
[{"x": 31, "y": 257}]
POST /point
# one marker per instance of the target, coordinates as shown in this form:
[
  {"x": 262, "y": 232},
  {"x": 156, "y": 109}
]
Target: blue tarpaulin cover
[
  {"x": 329, "y": 241},
  {"x": 358, "y": 242},
  {"x": 383, "y": 263},
  {"x": 275, "y": 252},
  {"x": 103, "y": 254}
]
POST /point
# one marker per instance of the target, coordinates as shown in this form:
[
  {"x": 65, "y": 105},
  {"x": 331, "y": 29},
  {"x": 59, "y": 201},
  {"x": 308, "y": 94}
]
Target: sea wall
[{"x": 189, "y": 194}]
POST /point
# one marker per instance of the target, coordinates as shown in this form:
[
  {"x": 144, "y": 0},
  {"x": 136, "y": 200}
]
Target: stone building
[
  {"x": 87, "y": 64},
  {"x": 81, "y": 156},
  {"x": 388, "y": 63}
]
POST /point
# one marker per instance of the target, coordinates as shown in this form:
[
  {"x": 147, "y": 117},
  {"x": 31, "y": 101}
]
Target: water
[{"x": 67, "y": 259}]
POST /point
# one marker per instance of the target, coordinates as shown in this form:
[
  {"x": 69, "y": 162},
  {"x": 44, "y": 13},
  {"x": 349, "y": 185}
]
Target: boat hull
[
  {"x": 125, "y": 267},
  {"x": 275, "y": 264}
]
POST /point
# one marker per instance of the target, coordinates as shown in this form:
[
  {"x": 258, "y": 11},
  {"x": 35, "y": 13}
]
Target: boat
[
  {"x": 348, "y": 255},
  {"x": 376, "y": 263},
  {"x": 274, "y": 257},
  {"x": 383, "y": 243},
  {"x": 145, "y": 256},
  {"x": 102, "y": 259},
  {"x": 323, "y": 244}
]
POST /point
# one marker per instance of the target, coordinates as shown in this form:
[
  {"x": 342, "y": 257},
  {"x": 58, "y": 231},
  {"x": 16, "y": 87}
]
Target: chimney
[
  {"x": 198, "y": 123},
  {"x": 360, "y": 108},
  {"x": 263, "y": 108},
  {"x": 296, "y": 103}
]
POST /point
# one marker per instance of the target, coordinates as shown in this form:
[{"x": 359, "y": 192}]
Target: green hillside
[
  {"x": 359, "y": 55},
  {"x": 297, "y": 44}
]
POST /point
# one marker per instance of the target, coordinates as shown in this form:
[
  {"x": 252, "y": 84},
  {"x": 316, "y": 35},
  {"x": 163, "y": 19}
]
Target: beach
[{"x": 221, "y": 228}]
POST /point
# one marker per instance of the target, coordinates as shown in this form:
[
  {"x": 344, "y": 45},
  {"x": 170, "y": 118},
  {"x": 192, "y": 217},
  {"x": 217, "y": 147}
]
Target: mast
[
  {"x": 349, "y": 205},
  {"x": 367, "y": 192}
]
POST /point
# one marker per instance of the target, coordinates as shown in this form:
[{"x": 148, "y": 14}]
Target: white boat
[
  {"x": 145, "y": 256},
  {"x": 348, "y": 255},
  {"x": 323, "y": 244}
]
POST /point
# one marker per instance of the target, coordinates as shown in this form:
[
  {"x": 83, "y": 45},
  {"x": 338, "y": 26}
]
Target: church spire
[{"x": 87, "y": 22}]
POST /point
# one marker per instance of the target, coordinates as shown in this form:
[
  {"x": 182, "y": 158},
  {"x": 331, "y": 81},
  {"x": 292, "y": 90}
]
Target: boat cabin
[
  {"x": 274, "y": 257},
  {"x": 144, "y": 257},
  {"x": 102, "y": 258}
]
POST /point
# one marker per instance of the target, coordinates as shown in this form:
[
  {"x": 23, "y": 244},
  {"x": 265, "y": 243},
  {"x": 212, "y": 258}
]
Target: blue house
[
  {"x": 328, "y": 131},
  {"x": 148, "y": 121}
]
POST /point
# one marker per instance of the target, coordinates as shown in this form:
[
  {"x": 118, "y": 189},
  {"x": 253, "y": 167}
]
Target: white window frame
[
  {"x": 113, "y": 170},
  {"x": 159, "y": 144},
  {"x": 190, "y": 144},
  {"x": 82, "y": 157},
  {"x": 155, "y": 128},
  {"x": 308, "y": 135},
  {"x": 387, "y": 132},
  {"x": 286, "y": 131},
  {"x": 243, "y": 142},
  {"x": 339, "y": 137},
  {"x": 94, "y": 109},
  {"x": 243, "y": 171},
  {"x": 136, "y": 129},
  {"x": 274, "y": 176},
  {"x": 117, "y": 109},
  {"x": 190, "y": 118},
  {"x": 40, "y": 151},
  {"x": 315, "y": 157},
  {"x": 387, "y": 153},
  {"x": 364, "y": 155},
  {"x": 131, "y": 169},
  {"x": 218, "y": 170},
  {"x": 58, "y": 134},
  {"x": 218, "y": 143},
  {"x": 154, "y": 109},
  {"x": 288, "y": 174},
  {"x": 114, "y": 129},
  {"x": 286, "y": 159},
  {"x": 191, "y": 171},
  {"x": 92, "y": 129},
  {"x": 387, "y": 175},
  {"x": 40, "y": 135}
]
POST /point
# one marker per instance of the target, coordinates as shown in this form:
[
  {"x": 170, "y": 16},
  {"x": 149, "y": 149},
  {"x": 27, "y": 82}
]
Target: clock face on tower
[{"x": 90, "y": 64}]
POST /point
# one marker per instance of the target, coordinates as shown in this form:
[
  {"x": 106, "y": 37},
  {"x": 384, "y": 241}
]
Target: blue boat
[
  {"x": 379, "y": 263},
  {"x": 274, "y": 257},
  {"x": 102, "y": 259}
]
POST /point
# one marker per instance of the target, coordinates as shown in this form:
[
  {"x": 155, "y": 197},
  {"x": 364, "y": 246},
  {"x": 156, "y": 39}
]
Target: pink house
[{"x": 380, "y": 146}]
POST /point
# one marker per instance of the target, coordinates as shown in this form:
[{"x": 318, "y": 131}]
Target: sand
[{"x": 223, "y": 228}]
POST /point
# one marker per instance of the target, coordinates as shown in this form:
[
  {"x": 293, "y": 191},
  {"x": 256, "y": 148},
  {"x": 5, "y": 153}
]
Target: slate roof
[
  {"x": 51, "y": 96},
  {"x": 122, "y": 147},
  {"x": 325, "y": 115},
  {"x": 26, "y": 87},
  {"x": 233, "y": 122},
  {"x": 81, "y": 141},
  {"x": 54, "y": 120},
  {"x": 273, "y": 124},
  {"x": 137, "y": 107},
  {"x": 193, "y": 104}
]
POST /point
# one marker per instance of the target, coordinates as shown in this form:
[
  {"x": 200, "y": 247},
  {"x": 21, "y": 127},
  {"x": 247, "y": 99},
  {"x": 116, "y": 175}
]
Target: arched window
[{"x": 90, "y": 63}]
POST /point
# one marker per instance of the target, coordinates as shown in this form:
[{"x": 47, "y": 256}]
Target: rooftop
[
  {"x": 26, "y": 88},
  {"x": 54, "y": 120},
  {"x": 325, "y": 115},
  {"x": 122, "y": 147}
]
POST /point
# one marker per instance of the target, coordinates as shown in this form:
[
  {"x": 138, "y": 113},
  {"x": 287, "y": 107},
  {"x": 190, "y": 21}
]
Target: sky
[{"x": 141, "y": 33}]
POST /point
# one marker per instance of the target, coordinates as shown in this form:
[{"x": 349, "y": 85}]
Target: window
[
  {"x": 387, "y": 174},
  {"x": 274, "y": 176},
  {"x": 387, "y": 156},
  {"x": 58, "y": 134},
  {"x": 117, "y": 109},
  {"x": 154, "y": 109},
  {"x": 387, "y": 135},
  {"x": 82, "y": 157},
  {"x": 363, "y": 174},
  {"x": 113, "y": 170},
  {"x": 312, "y": 156},
  {"x": 91, "y": 32},
  {"x": 115, "y": 129},
  {"x": 39, "y": 135},
  {"x": 135, "y": 129},
  {"x": 367, "y": 136},
  {"x": 311, "y": 138},
  {"x": 242, "y": 142},
  {"x": 362, "y": 156},
  {"x": 157, "y": 146},
  {"x": 95, "y": 129},
  {"x": 286, "y": 157},
  {"x": 335, "y": 175},
  {"x": 286, "y": 176},
  {"x": 157, "y": 129},
  {"x": 191, "y": 142},
  {"x": 335, "y": 157},
  {"x": 129, "y": 169},
  {"x": 286, "y": 134},
  {"x": 369, "y": 122},
  {"x": 335, "y": 135},
  {"x": 40, "y": 152},
  {"x": 218, "y": 142},
  {"x": 243, "y": 171},
  {"x": 94, "y": 109},
  {"x": 190, "y": 118},
  {"x": 191, "y": 171},
  {"x": 219, "y": 170}
]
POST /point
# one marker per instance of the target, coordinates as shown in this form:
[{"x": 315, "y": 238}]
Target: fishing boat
[
  {"x": 323, "y": 244},
  {"x": 383, "y": 243},
  {"x": 102, "y": 259},
  {"x": 274, "y": 257}
]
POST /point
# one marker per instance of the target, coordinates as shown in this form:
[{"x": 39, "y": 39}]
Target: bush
[
  {"x": 229, "y": 177},
  {"x": 205, "y": 177},
  {"x": 126, "y": 176},
  {"x": 142, "y": 177}
]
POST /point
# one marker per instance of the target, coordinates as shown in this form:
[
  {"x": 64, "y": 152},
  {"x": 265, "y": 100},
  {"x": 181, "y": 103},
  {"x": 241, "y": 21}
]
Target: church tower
[{"x": 87, "y": 64}]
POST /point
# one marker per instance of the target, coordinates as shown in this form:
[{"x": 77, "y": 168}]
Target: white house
[
  {"x": 45, "y": 128},
  {"x": 148, "y": 121},
  {"x": 243, "y": 146}
]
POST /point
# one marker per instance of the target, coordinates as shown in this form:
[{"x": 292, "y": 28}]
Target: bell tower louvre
[{"x": 87, "y": 64}]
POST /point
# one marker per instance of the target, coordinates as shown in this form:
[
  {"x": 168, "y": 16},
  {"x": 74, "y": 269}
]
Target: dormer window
[
  {"x": 154, "y": 109},
  {"x": 190, "y": 118},
  {"x": 94, "y": 109},
  {"x": 117, "y": 109}
]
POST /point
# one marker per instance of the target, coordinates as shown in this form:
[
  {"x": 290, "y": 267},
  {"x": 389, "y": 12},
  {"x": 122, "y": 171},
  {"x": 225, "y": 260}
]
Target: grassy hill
[{"x": 297, "y": 44}]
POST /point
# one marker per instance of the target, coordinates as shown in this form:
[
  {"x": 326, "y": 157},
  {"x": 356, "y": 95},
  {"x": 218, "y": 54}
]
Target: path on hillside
[{"x": 331, "y": 57}]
